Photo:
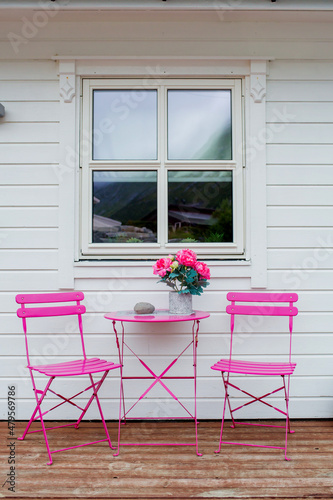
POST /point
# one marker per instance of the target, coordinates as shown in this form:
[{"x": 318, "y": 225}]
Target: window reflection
[
  {"x": 199, "y": 125},
  {"x": 125, "y": 125},
  {"x": 200, "y": 206},
  {"x": 124, "y": 207}
]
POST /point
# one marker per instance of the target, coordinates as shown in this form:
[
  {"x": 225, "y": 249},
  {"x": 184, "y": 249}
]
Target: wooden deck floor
[{"x": 155, "y": 472}]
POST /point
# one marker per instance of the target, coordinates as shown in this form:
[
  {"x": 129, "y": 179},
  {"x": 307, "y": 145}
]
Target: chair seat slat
[
  {"x": 252, "y": 368},
  {"x": 73, "y": 363},
  {"x": 80, "y": 367}
]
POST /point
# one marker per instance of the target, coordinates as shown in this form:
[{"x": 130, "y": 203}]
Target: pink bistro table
[{"x": 159, "y": 316}]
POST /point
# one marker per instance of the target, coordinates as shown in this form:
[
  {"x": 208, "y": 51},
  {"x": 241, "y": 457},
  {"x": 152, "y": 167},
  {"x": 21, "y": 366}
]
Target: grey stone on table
[{"x": 144, "y": 308}]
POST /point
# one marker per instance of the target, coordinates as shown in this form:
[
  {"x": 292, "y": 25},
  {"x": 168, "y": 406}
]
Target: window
[{"x": 162, "y": 168}]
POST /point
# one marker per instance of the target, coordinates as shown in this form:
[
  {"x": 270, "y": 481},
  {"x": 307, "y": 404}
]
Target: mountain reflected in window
[
  {"x": 200, "y": 206},
  {"x": 124, "y": 207}
]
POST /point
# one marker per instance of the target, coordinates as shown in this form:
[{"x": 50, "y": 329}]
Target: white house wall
[{"x": 299, "y": 149}]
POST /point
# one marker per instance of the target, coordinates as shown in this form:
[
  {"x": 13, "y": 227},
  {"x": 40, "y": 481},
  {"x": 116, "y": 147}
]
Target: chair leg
[
  {"x": 36, "y": 392},
  {"x": 121, "y": 405},
  {"x": 286, "y": 389},
  {"x": 226, "y": 398},
  {"x": 38, "y": 408},
  {"x": 226, "y": 388},
  {"x": 21, "y": 438}
]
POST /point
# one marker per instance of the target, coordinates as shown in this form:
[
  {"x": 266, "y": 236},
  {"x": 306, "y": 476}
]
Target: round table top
[{"x": 158, "y": 316}]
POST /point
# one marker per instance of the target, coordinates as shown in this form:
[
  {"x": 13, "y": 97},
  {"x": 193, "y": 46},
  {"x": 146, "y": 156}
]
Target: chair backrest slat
[
  {"x": 45, "y": 298},
  {"x": 40, "y": 312},
  {"x": 262, "y": 310}
]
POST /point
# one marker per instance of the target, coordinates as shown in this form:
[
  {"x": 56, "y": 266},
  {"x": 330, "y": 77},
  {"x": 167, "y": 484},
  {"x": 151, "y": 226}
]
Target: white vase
[{"x": 180, "y": 303}]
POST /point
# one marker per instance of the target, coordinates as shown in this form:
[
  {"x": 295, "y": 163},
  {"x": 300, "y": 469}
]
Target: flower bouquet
[{"x": 183, "y": 272}]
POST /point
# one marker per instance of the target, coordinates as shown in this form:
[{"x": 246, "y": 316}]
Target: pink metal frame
[
  {"x": 161, "y": 317},
  {"x": 267, "y": 307},
  {"x": 86, "y": 366}
]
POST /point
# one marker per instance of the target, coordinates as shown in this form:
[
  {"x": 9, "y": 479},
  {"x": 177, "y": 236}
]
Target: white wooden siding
[
  {"x": 29, "y": 183},
  {"x": 299, "y": 210},
  {"x": 300, "y": 202},
  {"x": 28, "y": 203}
]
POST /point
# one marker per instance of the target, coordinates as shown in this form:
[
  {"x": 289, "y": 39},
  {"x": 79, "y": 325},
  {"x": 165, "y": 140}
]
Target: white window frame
[
  {"x": 162, "y": 165},
  {"x": 72, "y": 69}
]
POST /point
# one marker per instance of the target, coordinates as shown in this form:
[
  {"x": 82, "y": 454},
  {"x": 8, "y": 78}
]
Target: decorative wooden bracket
[
  {"x": 67, "y": 87},
  {"x": 258, "y": 87}
]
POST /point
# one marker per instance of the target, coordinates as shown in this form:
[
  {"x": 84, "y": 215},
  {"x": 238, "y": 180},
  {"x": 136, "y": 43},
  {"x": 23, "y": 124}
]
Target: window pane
[
  {"x": 124, "y": 207},
  {"x": 200, "y": 206},
  {"x": 199, "y": 125},
  {"x": 125, "y": 125}
]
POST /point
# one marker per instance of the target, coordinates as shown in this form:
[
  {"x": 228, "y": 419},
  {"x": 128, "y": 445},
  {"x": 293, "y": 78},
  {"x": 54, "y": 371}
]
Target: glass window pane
[
  {"x": 199, "y": 125},
  {"x": 124, "y": 207},
  {"x": 200, "y": 206},
  {"x": 125, "y": 125}
]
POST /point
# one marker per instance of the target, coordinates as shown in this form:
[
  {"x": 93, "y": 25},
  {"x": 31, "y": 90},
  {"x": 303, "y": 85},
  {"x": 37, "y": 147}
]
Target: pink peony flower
[
  {"x": 186, "y": 257},
  {"x": 162, "y": 266},
  {"x": 203, "y": 270}
]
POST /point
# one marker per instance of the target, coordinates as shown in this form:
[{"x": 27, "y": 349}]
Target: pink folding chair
[
  {"x": 85, "y": 366},
  {"x": 267, "y": 304}
]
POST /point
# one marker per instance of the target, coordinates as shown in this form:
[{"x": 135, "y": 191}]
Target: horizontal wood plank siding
[
  {"x": 20, "y": 133},
  {"x": 29, "y": 174},
  {"x": 300, "y": 207},
  {"x": 29, "y": 199}
]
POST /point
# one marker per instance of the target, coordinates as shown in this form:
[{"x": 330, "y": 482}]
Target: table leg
[
  {"x": 195, "y": 331},
  {"x": 121, "y": 395}
]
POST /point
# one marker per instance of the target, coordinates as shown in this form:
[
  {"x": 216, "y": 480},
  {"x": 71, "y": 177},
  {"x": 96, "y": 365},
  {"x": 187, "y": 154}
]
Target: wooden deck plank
[{"x": 161, "y": 472}]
